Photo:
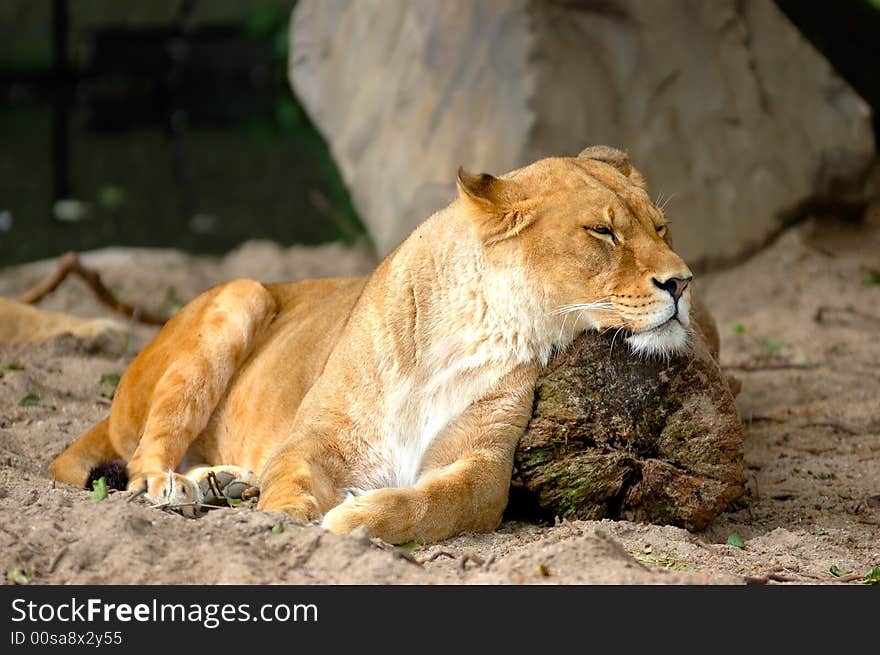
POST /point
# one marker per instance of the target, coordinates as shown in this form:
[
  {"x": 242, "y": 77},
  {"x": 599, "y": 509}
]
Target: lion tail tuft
[{"x": 113, "y": 472}]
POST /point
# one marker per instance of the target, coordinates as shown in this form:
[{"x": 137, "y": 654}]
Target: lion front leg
[
  {"x": 469, "y": 495},
  {"x": 302, "y": 479},
  {"x": 465, "y": 476}
]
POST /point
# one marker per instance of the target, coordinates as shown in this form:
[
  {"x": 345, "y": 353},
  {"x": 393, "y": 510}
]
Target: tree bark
[{"x": 616, "y": 436}]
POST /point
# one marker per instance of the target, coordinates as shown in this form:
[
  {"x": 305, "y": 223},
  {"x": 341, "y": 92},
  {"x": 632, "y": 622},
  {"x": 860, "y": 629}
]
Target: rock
[
  {"x": 615, "y": 436},
  {"x": 729, "y": 112}
]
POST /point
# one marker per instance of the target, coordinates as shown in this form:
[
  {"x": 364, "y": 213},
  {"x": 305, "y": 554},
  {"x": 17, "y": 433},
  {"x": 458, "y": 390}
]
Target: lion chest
[{"x": 416, "y": 411}]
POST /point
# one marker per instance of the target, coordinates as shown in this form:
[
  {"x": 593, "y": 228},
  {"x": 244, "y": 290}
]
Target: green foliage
[
  {"x": 872, "y": 577},
  {"x": 29, "y": 400},
  {"x": 108, "y": 382},
  {"x": 278, "y": 528},
  {"x": 774, "y": 346},
  {"x": 99, "y": 487},
  {"x": 13, "y": 366},
  {"x": 738, "y": 328},
  {"x": 20, "y": 576},
  {"x": 735, "y": 540},
  {"x": 872, "y": 277},
  {"x": 836, "y": 572}
]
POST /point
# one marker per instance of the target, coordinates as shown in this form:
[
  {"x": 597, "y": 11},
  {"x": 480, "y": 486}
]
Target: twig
[
  {"x": 56, "y": 559},
  {"x": 176, "y": 506},
  {"x": 469, "y": 556},
  {"x": 764, "y": 579},
  {"x": 769, "y": 366},
  {"x": 437, "y": 555},
  {"x": 69, "y": 263},
  {"x": 843, "y": 426},
  {"x": 819, "y": 316}
]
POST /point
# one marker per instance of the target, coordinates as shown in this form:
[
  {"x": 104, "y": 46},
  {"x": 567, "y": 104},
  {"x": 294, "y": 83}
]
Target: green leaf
[
  {"x": 872, "y": 277},
  {"x": 738, "y": 328},
  {"x": 100, "y": 489},
  {"x": 872, "y": 577},
  {"x": 18, "y": 576},
  {"x": 819, "y": 533},
  {"x": 110, "y": 380},
  {"x": 773, "y": 346},
  {"x": 735, "y": 540},
  {"x": 29, "y": 400},
  {"x": 411, "y": 546},
  {"x": 836, "y": 572},
  {"x": 13, "y": 366},
  {"x": 278, "y": 528}
]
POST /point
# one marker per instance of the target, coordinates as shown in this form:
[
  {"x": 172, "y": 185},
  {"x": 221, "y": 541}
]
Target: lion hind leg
[
  {"x": 82, "y": 460},
  {"x": 206, "y": 357}
]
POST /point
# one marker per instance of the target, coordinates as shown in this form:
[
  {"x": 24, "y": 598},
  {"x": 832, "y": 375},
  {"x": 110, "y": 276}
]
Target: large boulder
[
  {"x": 616, "y": 436},
  {"x": 732, "y": 116}
]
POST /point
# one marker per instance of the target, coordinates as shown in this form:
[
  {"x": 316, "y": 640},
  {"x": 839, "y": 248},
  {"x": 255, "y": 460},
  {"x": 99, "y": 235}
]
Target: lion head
[{"x": 595, "y": 249}]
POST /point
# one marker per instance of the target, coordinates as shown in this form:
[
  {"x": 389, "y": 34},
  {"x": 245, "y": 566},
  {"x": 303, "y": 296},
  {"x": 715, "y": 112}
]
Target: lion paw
[
  {"x": 345, "y": 517},
  {"x": 175, "y": 492},
  {"x": 303, "y": 509},
  {"x": 224, "y": 485}
]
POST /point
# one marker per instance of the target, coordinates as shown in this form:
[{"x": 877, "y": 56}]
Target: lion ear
[
  {"x": 483, "y": 189},
  {"x": 608, "y": 155},
  {"x": 496, "y": 205},
  {"x": 616, "y": 158}
]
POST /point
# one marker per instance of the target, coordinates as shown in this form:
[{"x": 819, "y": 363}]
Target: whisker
[
  {"x": 665, "y": 202},
  {"x": 562, "y": 328},
  {"x": 613, "y": 339},
  {"x": 593, "y": 306}
]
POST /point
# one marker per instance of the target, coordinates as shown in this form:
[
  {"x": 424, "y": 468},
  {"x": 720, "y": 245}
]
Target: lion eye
[
  {"x": 661, "y": 230},
  {"x": 602, "y": 230}
]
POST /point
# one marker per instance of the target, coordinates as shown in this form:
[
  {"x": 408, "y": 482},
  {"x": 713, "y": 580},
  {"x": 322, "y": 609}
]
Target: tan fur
[
  {"x": 396, "y": 401},
  {"x": 21, "y": 323}
]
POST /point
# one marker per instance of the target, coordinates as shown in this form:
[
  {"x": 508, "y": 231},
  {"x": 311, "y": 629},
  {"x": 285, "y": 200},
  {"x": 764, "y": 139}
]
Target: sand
[{"x": 800, "y": 325}]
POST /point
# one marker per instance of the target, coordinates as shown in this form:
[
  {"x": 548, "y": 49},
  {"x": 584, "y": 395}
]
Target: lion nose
[{"x": 674, "y": 285}]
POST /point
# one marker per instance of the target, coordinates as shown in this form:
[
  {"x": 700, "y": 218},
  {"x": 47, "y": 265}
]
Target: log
[{"x": 616, "y": 436}]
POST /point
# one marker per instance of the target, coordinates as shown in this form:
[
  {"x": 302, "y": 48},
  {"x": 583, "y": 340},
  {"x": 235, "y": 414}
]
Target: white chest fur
[
  {"x": 417, "y": 410},
  {"x": 455, "y": 373}
]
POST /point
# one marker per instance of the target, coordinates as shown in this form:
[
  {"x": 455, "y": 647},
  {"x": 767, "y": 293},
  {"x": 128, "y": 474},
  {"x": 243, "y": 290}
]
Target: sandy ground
[{"x": 800, "y": 324}]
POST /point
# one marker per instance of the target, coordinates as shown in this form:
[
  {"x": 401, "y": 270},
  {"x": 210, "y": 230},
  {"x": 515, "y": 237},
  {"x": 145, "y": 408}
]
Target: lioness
[{"x": 396, "y": 401}]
